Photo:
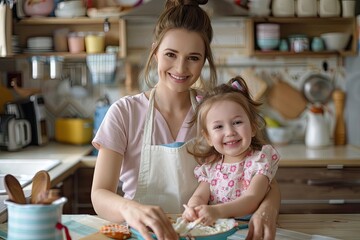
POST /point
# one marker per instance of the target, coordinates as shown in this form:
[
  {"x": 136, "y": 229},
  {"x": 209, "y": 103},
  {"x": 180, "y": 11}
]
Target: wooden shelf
[
  {"x": 311, "y": 27},
  {"x": 63, "y": 21},
  {"x": 30, "y": 27}
]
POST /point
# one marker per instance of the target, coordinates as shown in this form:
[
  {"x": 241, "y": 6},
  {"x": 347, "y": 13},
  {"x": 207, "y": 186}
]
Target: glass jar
[
  {"x": 299, "y": 43},
  {"x": 95, "y": 42},
  {"x": 76, "y": 42}
]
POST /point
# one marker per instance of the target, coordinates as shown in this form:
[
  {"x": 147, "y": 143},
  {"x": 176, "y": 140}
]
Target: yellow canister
[
  {"x": 74, "y": 130},
  {"x": 95, "y": 42}
]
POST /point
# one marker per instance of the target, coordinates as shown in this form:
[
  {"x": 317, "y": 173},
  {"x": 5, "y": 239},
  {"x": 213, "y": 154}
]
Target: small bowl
[
  {"x": 335, "y": 41},
  {"x": 268, "y": 44},
  {"x": 279, "y": 135},
  {"x": 68, "y": 5}
]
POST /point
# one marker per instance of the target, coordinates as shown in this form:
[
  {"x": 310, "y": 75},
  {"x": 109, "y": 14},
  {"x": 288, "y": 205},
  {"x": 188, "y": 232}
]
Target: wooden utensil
[
  {"x": 40, "y": 185},
  {"x": 14, "y": 189}
]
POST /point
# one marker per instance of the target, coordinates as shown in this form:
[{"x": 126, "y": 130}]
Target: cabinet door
[
  {"x": 319, "y": 190},
  {"x": 83, "y": 183}
]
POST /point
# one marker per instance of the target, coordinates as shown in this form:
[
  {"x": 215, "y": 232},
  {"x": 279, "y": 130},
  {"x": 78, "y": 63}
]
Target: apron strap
[
  {"x": 150, "y": 115},
  {"x": 149, "y": 119}
]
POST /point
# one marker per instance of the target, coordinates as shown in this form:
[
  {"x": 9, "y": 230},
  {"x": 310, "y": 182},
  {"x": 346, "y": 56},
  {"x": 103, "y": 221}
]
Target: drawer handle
[
  {"x": 337, "y": 201},
  {"x": 319, "y": 201},
  {"x": 317, "y": 182}
]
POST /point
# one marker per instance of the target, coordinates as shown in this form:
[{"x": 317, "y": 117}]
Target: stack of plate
[
  {"x": 15, "y": 44},
  {"x": 39, "y": 44}
]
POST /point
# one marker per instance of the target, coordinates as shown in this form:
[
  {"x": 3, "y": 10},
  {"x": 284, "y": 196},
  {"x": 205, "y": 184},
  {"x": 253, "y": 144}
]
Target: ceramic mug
[
  {"x": 35, "y": 221},
  {"x": 317, "y": 44}
]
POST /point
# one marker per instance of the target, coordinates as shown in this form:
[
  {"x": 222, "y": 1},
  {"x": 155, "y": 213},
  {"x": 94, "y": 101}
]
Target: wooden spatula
[
  {"x": 40, "y": 185},
  {"x": 14, "y": 189}
]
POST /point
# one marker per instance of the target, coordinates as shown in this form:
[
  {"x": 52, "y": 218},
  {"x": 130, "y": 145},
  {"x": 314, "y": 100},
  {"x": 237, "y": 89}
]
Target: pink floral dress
[{"x": 229, "y": 180}]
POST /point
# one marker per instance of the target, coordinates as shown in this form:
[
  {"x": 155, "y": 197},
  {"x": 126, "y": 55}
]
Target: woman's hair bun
[
  {"x": 202, "y": 2},
  {"x": 170, "y": 3}
]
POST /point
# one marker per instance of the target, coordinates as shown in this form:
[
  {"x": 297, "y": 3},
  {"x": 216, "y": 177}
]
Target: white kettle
[{"x": 317, "y": 130}]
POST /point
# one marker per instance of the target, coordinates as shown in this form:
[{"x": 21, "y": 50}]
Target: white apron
[{"x": 166, "y": 175}]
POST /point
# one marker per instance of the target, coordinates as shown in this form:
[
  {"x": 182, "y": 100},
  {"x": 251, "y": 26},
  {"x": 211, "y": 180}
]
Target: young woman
[
  {"x": 143, "y": 139},
  {"x": 238, "y": 163}
]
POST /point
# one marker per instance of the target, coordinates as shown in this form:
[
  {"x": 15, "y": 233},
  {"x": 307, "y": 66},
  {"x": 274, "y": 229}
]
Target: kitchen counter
[
  {"x": 340, "y": 226},
  {"x": 73, "y": 157},
  {"x": 298, "y": 155}
]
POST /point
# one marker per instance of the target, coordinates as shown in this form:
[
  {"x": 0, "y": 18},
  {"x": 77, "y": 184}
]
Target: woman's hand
[
  {"x": 262, "y": 225},
  {"x": 145, "y": 217}
]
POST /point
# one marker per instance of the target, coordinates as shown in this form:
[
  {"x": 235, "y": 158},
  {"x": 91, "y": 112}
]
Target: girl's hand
[
  {"x": 263, "y": 225},
  {"x": 189, "y": 213},
  {"x": 145, "y": 217},
  {"x": 209, "y": 213}
]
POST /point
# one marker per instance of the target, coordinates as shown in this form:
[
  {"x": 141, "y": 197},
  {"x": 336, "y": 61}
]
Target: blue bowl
[{"x": 268, "y": 44}]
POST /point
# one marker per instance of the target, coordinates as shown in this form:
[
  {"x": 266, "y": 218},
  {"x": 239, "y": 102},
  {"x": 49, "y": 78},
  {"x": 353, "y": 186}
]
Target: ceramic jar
[
  {"x": 306, "y": 8},
  {"x": 35, "y": 8},
  {"x": 317, "y": 130},
  {"x": 329, "y": 8}
]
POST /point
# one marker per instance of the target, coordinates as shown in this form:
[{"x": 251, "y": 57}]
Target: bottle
[{"x": 340, "y": 129}]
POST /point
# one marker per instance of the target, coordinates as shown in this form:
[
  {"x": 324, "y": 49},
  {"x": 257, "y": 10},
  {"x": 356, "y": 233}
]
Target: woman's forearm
[{"x": 269, "y": 207}]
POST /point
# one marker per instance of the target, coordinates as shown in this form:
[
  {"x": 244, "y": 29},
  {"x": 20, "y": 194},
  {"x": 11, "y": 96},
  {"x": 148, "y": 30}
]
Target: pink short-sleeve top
[
  {"x": 122, "y": 131},
  {"x": 229, "y": 180}
]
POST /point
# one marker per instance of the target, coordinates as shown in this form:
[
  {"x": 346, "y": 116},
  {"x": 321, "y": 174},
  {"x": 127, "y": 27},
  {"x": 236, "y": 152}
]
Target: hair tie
[
  {"x": 237, "y": 85},
  {"x": 199, "y": 98}
]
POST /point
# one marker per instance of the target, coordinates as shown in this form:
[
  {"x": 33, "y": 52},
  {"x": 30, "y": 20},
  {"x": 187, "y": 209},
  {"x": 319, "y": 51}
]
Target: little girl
[{"x": 238, "y": 164}]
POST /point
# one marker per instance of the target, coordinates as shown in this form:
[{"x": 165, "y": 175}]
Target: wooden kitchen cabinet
[
  {"x": 312, "y": 27},
  {"x": 30, "y": 27},
  {"x": 82, "y": 191},
  {"x": 319, "y": 189}
]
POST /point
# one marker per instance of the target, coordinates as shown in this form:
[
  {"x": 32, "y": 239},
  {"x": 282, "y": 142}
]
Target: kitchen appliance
[
  {"x": 74, "y": 130},
  {"x": 31, "y": 108},
  {"x": 14, "y": 133}
]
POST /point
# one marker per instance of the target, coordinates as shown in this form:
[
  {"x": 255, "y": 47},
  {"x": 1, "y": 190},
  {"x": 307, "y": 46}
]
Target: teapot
[{"x": 317, "y": 130}]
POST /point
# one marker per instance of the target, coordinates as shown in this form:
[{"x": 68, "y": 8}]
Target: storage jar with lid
[
  {"x": 329, "y": 8},
  {"x": 283, "y": 8},
  {"x": 95, "y": 42},
  {"x": 306, "y": 8}
]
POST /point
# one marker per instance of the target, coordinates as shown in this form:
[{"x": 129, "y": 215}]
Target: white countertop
[{"x": 298, "y": 155}]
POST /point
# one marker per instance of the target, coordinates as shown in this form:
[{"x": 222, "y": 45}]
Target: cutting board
[
  {"x": 95, "y": 236},
  {"x": 256, "y": 85},
  {"x": 288, "y": 101}
]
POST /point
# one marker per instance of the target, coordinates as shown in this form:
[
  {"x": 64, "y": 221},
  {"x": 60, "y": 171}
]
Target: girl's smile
[{"x": 229, "y": 130}]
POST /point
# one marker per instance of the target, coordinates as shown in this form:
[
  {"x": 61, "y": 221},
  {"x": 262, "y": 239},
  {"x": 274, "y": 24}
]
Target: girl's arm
[
  {"x": 243, "y": 205},
  {"x": 109, "y": 205},
  {"x": 200, "y": 196}
]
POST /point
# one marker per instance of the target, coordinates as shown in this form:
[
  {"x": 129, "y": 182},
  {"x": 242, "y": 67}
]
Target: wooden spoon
[
  {"x": 40, "y": 185},
  {"x": 14, "y": 189}
]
